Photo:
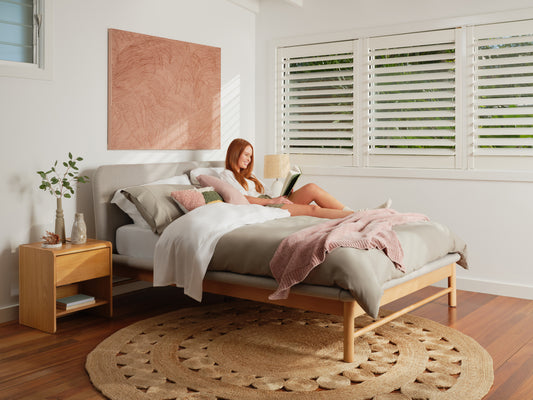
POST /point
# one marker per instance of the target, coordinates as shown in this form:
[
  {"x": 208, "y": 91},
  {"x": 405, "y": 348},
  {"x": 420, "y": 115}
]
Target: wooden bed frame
[{"x": 335, "y": 301}]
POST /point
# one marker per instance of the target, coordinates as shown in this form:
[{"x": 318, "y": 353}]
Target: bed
[{"x": 349, "y": 283}]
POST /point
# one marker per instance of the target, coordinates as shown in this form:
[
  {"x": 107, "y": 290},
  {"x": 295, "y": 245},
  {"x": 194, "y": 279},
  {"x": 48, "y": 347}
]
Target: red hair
[{"x": 235, "y": 149}]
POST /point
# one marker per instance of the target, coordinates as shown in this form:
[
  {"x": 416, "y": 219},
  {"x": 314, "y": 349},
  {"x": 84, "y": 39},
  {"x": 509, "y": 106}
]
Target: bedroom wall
[
  {"x": 493, "y": 217},
  {"x": 41, "y": 121}
]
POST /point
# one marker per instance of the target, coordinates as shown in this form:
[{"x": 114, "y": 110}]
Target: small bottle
[{"x": 79, "y": 230}]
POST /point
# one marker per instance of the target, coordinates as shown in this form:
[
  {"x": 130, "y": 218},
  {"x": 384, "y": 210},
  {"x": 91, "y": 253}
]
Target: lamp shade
[{"x": 276, "y": 166}]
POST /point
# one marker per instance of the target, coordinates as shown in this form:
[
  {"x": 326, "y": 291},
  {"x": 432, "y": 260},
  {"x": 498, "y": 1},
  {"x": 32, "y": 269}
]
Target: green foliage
[{"x": 60, "y": 184}]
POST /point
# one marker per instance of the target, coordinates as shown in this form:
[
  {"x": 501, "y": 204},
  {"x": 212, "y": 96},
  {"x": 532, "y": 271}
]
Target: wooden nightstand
[{"x": 48, "y": 274}]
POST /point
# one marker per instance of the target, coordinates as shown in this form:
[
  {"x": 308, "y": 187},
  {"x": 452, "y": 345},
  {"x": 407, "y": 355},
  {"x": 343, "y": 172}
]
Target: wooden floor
[{"x": 36, "y": 365}]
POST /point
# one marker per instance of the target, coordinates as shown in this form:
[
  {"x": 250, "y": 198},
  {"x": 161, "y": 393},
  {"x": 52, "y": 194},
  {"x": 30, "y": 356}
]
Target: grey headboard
[{"x": 109, "y": 178}]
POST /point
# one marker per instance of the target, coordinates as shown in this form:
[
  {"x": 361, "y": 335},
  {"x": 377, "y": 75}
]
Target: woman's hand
[{"x": 280, "y": 200}]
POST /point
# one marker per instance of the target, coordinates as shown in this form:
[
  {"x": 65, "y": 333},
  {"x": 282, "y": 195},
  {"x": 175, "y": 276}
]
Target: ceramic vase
[
  {"x": 79, "y": 230},
  {"x": 60, "y": 221}
]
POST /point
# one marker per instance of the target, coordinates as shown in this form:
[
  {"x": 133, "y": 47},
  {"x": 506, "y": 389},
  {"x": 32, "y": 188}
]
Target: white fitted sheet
[{"x": 135, "y": 241}]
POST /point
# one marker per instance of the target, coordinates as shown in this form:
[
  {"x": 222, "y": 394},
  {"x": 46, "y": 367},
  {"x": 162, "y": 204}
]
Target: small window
[{"x": 24, "y": 37}]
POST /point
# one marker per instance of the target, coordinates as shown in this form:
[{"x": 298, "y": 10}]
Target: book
[
  {"x": 77, "y": 300},
  {"x": 290, "y": 180}
]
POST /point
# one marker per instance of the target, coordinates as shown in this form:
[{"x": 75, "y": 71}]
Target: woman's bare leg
[
  {"x": 312, "y": 192},
  {"x": 315, "y": 211}
]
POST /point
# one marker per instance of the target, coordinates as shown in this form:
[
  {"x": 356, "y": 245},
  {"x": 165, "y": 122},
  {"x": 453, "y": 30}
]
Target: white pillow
[
  {"x": 211, "y": 171},
  {"x": 129, "y": 208}
]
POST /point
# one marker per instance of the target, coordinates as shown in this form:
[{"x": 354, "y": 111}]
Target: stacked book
[{"x": 78, "y": 300}]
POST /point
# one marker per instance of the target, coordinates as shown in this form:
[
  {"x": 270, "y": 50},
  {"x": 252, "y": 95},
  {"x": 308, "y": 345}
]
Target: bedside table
[{"x": 46, "y": 275}]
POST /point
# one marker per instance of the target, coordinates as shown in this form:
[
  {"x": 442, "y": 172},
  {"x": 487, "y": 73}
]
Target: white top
[{"x": 229, "y": 177}]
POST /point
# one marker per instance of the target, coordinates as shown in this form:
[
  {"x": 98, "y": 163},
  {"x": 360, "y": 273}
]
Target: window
[
  {"x": 24, "y": 36},
  {"x": 412, "y": 100},
  {"x": 457, "y": 98},
  {"x": 316, "y": 101},
  {"x": 503, "y": 95}
]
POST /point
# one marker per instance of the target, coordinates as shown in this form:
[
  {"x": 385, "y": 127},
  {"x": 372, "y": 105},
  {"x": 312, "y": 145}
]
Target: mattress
[{"x": 135, "y": 241}]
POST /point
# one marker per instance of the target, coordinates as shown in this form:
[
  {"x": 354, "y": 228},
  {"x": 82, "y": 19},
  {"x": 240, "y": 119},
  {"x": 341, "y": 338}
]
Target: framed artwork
[{"x": 162, "y": 93}]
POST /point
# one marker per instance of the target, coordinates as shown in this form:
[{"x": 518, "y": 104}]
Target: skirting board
[
  {"x": 493, "y": 287},
  {"x": 11, "y": 313}
]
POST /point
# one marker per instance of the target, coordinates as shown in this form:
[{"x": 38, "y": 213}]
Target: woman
[{"x": 238, "y": 172}]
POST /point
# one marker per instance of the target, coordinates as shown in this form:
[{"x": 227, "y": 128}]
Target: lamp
[{"x": 276, "y": 166}]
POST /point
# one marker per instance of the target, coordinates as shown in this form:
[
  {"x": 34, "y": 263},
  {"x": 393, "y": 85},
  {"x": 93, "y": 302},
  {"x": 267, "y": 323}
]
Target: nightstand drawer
[{"x": 82, "y": 266}]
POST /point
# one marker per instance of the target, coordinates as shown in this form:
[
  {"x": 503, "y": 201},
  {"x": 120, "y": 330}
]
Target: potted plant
[{"x": 60, "y": 184}]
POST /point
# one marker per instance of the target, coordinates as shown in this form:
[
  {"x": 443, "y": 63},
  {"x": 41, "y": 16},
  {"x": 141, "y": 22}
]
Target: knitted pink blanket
[{"x": 300, "y": 252}]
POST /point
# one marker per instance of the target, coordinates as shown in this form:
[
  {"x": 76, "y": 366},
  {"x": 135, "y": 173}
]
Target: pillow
[
  {"x": 213, "y": 171},
  {"x": 190, "y": 199},
  {"x": 228, "y": 192},
  {"x": 155, "y": 204},
  {"x": 129, "y": 208}
]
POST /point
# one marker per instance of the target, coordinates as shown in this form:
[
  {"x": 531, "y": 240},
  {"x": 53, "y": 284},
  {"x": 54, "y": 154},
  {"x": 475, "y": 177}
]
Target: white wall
[
  {"x": 42, "y": 121},
  {"x": 494, "y": 218}
]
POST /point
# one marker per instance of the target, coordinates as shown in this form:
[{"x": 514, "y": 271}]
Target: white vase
[{"x": 79, "y": 230}]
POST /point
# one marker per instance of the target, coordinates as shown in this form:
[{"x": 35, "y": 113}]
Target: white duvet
[{"x": 186, "y": 246}]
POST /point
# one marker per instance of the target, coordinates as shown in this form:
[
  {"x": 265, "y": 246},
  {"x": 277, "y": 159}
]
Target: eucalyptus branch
[{"x": 61, "y": 185}]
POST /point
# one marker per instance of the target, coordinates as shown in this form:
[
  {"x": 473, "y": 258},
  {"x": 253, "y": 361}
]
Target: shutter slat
[
  {"x": 414, "y": 77},
  {"x": 317, "y": 75},
  {"x": 319, "y": 150},
  {"x": 442, "y": 104},
  {"x": 504, "y": 121},
  {"x": 317, "y": 125},
  {"x": 509, "y": 92},
  {"x": 320, "y": 117},
  {"x": 413, "y": 142},
  {"x": 505, "y": 111},
  {"x": 504, "y": 142},
  {"x": 322, "y": 67},
  {"x": 411, "y": 96},
  {"x": 413, "y": 151},
  {"x": 414, "y": 114},
  {"x": 515, "y": 80},
  {"x": 332, "y": 93},
  {"x": 513, "y": 70},
  {"x": 501, "y": 131},
  {"x": 504, "y": 51},
  {"x": 518, "y": 101},
  {"x": 414, "y": 49},
  {"x": 383, "y": 62},
  {"x": 320, "y": 134},
  {"x": 324, "y": 109},
  {"x": 437, "y": 66},
  {"x": 437, "y": 133},
  {"x": 413, "y": 86},
  {"x": 407, "y": 124}
]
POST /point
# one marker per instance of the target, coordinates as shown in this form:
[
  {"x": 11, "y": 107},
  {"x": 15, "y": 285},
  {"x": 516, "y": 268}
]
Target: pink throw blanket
[{"x": 300, "y": 252}]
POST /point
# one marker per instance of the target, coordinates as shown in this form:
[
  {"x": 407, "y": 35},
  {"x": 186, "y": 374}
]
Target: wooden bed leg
[
  {"x": 349, "y": 328},
  {"x": 452, "y": 284}
]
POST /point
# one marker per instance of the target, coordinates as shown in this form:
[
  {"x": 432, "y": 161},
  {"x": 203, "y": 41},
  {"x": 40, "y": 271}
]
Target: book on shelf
[
  {"x": 290, "y": 180},
  {"x": 77, "y": 300}
]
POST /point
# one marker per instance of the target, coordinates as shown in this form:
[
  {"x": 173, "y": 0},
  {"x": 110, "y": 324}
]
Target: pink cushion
[{"x": 228, "y": 192}]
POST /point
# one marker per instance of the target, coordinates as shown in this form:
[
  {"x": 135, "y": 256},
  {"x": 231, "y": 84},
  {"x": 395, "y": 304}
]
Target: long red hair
[{"x": 235, "y": 149}]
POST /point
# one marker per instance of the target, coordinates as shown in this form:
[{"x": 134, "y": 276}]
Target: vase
[
  {"x": 60, "y": 221},
  {"x": 79, "y": 230}
]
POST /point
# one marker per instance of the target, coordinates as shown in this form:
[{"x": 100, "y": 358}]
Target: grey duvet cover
[{"x": 248, "y": 250}]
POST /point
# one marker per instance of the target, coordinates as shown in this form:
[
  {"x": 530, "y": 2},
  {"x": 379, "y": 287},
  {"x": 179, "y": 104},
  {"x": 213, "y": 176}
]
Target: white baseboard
[
  {"x": 496, "y": 288},
  {"x": 9, "y": 313}
]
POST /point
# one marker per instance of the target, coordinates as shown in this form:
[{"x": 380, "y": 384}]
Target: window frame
[
  {"x": 464, "y": 137},
  {"x": 42, "y": 68}
]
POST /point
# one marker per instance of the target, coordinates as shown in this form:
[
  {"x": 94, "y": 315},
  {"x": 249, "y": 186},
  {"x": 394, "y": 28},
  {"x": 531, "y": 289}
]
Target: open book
[{"x": 290, "y": 180}]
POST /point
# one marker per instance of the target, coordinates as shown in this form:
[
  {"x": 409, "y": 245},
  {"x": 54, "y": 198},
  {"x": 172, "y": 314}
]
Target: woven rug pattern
[{"x": 246, "y": 350}]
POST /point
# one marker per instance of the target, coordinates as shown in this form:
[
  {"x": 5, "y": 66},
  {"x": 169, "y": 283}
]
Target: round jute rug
[{"x": 247, "y": 351}]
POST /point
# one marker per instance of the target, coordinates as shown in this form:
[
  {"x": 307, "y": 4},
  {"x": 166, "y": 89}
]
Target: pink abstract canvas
[{"x": 163, "y": 93}]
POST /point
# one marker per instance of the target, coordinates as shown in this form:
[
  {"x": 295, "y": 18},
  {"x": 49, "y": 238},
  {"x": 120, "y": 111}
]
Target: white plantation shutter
[
  {"x": 315, "y": 103},
  {"x": 503, "y": 95},
  {"x": 412, "y": 100}
]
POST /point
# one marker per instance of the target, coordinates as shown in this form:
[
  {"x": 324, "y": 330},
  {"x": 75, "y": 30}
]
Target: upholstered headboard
[{"x": 109, "y": 178}]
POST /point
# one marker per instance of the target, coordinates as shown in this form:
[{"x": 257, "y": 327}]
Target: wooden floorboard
[{"x": 36, "y": 365}]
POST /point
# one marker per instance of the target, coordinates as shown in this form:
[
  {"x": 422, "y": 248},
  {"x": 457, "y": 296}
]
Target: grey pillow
[{"x": 155, "y": 204}]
